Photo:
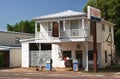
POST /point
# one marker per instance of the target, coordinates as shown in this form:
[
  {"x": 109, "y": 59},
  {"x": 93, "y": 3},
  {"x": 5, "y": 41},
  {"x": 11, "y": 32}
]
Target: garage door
[{"x": 39, "y": 58}]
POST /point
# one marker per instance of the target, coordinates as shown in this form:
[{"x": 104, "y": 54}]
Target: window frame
[
  {"x": 110, "y": 29},
  {"x": 17, "y": 40},
  {"x": 38, "y": 27},
  {"x": 49, "y": 27},
  {"x": 90, "y": 55},
  {"x": 91, "y": 27},
  {"x": 103, "y": 27},
  {"x": 61, "y": 26},
  {"x": 74, "y": 24}
]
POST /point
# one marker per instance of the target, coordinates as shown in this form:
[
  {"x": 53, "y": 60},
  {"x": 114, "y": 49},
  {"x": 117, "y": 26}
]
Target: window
[
  {"x": 105, "y": 56},
  {"x": 55, "y": 29},
  {"x": 34, "y": 46},
  {"x": 38, "y": 27},
  {"x": 109, "y": 28},
  {"x": 46, "y": 47},
  {"x": 91, "y": 27},
  {"x": 74, "y": 24},
  {"x": 103, "y": 27},
  {"x": 61, "y": 25},
  {"x": 17, "y": 40},
  {"x": 43, "y": 46},
  {"x": 90, "y": 55},
  {"x": 67, "y": 54},
  {"x": 49, "y": 26}
]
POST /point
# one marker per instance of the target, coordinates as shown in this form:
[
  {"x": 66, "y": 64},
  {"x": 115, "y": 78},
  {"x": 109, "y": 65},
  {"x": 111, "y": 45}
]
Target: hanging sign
[{"x": 94, "y": 14}]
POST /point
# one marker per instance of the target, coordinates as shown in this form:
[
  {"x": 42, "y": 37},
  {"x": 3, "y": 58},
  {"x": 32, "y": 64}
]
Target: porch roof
[
  {"x": 37, "y": 40},
  {"x": 68, "y": 13},
  {"x": 4, "y": 48}
]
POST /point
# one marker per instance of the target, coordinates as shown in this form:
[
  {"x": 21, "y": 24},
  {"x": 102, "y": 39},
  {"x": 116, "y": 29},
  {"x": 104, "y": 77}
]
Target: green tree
[
  {"x": 9, "y": 27},
  {"x": 23, "y": 26},
  {"x": 111, "y": 12}
]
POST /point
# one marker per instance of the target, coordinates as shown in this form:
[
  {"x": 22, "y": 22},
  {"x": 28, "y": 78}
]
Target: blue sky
[{"x": 13, "y": 11}]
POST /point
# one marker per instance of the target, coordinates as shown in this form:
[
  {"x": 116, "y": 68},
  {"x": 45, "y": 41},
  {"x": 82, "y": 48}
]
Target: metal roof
[
  {"x": 6, "y": 47},
  {"x": 19, "y": 33},
  {"x": 67, "y": 13}
]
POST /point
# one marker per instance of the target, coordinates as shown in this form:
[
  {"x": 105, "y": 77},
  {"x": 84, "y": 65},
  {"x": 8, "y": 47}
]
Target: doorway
[
  {"x": 79, "y": 57},
  {"x": 67, "y": 58},
  {"x": 4, "y": 59},
  {"x": 55, "y": 32}
]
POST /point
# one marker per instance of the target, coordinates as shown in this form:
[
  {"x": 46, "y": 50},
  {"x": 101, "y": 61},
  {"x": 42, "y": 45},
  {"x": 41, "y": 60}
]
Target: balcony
[{"x": 72, "y": 33}]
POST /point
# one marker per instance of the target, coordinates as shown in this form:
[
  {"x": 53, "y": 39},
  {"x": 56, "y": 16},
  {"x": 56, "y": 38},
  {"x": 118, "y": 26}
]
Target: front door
[
  {"x": 67, "y": 58},
  {"x": 55, "y": 32},
  {"x": 79, "y": 57}
]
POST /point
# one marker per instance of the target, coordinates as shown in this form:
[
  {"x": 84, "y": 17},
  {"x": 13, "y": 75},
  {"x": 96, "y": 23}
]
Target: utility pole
[
  {"x": 94, "y": 46},
  {"x": 94, "y": 15}
]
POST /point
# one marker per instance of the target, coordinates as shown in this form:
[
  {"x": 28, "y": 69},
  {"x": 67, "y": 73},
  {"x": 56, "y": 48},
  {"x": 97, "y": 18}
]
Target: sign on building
[{"x": 94, "y": 14}]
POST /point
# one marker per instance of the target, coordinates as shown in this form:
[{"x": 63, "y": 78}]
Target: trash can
[
  {"x": 49, "y": 65},
  {"x": 75, "y": 65}
]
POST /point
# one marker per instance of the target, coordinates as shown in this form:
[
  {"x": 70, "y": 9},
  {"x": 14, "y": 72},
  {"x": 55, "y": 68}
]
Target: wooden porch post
[
  {"x": 35, "y": 27},
  {"x": 63, "y": 25},
  {"x": 86, "y": 56},
  {"x": 86, "y": 46}
]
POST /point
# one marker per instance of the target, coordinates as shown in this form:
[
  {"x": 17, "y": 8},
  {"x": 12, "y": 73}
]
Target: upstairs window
[
  {"x": 49, "y": 26},
  {"x": 74, "y": 24},
  {"x": 103, "y": 27},
  {"x": 38, "y": 27},
  {"x": 109, "y": 28},
  {"x": 91, "y": 27},
  {"x": 61, "y": 25}
]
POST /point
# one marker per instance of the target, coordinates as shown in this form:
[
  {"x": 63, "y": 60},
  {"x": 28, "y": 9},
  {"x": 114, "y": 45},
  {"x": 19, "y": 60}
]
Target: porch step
[{"x": 62, "y": 69}]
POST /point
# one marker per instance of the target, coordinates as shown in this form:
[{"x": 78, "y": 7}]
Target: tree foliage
[
  {"x": 111, "y": 12},
  {"x": 23, "y": 26}
]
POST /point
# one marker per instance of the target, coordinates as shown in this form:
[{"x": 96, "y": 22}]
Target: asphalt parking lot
[{"x": 32, "y": 74}]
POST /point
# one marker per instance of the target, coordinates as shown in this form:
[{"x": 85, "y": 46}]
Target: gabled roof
[{"x": 68, "y": 13}]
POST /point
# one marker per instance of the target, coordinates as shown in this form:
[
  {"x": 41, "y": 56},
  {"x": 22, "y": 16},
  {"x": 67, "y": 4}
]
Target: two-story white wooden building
[{"x": 68, "y": 34}]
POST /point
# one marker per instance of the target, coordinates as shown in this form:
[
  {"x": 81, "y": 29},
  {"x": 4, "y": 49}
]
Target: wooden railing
[{"x": 73, "y": 33}]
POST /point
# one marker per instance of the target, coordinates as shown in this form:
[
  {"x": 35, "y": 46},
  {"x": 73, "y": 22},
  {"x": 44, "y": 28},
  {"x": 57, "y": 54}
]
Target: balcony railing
[{"x": 73, "y": 33}]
